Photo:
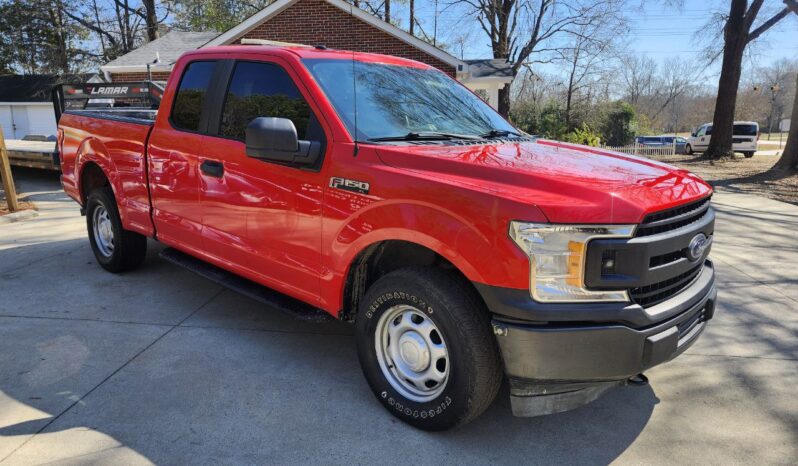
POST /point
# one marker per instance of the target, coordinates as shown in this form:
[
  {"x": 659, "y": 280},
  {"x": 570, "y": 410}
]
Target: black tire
[
  {"x": 688, "y": 149},
  {"x": 748, "y": 155},
  {"x": 473, "y": 362},
  {"x": 129, "y": 248}
]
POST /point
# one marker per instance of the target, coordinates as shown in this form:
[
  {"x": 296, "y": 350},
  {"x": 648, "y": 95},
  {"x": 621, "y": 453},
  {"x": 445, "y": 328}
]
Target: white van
[{"x": 745, "y": 137}]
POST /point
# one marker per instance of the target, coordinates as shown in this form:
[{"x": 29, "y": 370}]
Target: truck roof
[{"x": 306, "y": 52}]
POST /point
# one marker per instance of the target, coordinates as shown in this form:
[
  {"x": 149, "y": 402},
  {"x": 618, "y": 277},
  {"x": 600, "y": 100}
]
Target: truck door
[
  {"x": 174, "y": 158},
  {"x": 263, "y": 218}
]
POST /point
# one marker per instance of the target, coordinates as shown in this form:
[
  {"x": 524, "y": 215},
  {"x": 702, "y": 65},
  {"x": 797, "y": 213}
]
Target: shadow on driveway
[{"x": 165, "y": 366}]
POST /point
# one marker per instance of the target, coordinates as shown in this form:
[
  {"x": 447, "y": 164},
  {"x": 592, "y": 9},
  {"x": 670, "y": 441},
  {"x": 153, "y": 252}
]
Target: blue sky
[{"x": 656, "y": 30}]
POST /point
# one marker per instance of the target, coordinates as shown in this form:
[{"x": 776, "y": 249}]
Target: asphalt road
[{"x": 162, "y": 366}]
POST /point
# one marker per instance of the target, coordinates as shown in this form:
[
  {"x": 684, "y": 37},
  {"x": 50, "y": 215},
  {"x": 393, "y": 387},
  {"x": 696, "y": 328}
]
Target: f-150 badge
[{"x": 349, "y": 185}]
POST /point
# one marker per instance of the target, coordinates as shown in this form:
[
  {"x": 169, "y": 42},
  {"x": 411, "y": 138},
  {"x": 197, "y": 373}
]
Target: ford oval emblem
[{"x": 698, "y": 246}]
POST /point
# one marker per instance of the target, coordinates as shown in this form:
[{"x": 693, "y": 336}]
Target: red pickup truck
[{"x": 382, "y": 192}]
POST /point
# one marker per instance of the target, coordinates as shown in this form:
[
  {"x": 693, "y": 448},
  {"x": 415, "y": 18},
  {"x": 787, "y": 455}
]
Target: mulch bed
[
  {"x": 21, "y": 203},
  {"x": 741, "y": 175}
]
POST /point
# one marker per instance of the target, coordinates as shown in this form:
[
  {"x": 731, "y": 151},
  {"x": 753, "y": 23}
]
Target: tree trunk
[
  {"x": 387, "y": 11},
  {"x": 412, "y": 17},
  {"x": 789, "y": 158},
  {"x": 151, "y": 19},
  {"x": 735, "y": 39},
  {"x": 504, "y": 101}
]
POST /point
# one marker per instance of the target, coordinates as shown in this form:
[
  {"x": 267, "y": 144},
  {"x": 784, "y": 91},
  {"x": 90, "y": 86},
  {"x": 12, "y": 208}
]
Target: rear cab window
[{"x": 191, "y": 94}]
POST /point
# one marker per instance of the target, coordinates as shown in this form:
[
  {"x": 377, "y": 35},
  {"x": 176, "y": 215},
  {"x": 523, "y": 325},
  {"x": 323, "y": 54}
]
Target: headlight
[{"x": 557, "y": 259}]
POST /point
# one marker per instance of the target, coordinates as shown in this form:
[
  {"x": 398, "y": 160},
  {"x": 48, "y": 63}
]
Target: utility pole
[{"x": 5, "y": 173}]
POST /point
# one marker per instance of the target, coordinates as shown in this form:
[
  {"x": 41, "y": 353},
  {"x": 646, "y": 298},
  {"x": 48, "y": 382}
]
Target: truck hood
[{"x": 568, "y": 183}]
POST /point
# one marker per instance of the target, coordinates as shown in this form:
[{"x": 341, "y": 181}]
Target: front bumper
[{"x": 557, "y": 365}]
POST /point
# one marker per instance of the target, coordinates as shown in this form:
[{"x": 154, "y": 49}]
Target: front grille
[
  {"x": 657, "y": 261},
  {"x": 688, "y": 325},
  {"x": 671, "y": 219},
  {"x": 651, "y": 295}
]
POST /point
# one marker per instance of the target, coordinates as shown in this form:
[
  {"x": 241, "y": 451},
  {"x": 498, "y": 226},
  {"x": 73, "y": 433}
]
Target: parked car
[
  {"x": 663, "y": 141},
  {"x": 745, "y": 138},
  {"x": 462, "y": 251}
]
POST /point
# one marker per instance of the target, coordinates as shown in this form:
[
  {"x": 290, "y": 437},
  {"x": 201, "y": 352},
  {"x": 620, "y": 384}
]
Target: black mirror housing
[
  {"x": 267, "y": 135},
  {"x": 276, "y": 139}
]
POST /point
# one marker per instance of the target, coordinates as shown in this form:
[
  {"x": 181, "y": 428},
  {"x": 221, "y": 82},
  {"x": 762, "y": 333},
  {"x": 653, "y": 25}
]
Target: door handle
[{"x": 212, "y": 168}]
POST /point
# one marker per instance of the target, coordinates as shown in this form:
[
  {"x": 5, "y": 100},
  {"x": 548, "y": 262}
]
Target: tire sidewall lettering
[{"x": 390, "y": 296}]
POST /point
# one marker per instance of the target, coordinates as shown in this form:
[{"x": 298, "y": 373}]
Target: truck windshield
[{"x": 395, "y": 101}]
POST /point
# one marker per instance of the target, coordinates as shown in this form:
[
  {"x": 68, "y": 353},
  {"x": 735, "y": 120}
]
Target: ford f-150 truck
[{"x": 382, "y": 192}]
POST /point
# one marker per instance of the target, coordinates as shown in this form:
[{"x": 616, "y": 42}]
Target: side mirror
[{"x": 275, "y": 139}]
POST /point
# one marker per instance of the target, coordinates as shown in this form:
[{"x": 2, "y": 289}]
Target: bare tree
[
  {"x": 675, "y": 77},
  {"x": 638, "y": 74},
  {"x": 738, "y": 32},
  {"x": 584, "y": 56},
  {"x": 412, "y": 8},
  {"x": 519, "y": 29},
  {"x": 789, "y": 158},
  {"x": 150, "y": 19}
]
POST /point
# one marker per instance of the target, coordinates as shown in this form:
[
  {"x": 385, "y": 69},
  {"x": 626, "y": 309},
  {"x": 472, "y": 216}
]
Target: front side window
[
  {"x": 388, "y": 101},
  {"x": 191, "y": 94},
  {"x": 709, "y": 130},
  {"x": 262, "y": 90}
]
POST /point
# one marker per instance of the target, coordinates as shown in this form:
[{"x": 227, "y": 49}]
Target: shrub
[
  {"x": 620, "y": 125},
  {"x": 583, "y": 135}
]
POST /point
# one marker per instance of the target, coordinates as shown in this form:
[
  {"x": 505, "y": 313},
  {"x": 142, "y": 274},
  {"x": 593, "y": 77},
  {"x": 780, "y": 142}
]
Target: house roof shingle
[{"x": 169, "y": 47}]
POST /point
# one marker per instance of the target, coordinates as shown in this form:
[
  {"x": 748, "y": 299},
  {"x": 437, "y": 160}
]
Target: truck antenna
[{"x": 354, "y": 89}]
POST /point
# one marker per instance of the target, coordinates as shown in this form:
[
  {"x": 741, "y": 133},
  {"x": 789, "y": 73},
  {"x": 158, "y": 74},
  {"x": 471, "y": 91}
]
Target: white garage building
[{"x": 25, "y": 106}]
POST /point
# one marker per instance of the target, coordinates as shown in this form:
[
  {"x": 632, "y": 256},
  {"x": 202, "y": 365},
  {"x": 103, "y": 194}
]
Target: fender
[
  {"x": 92, "y": 150},
  {"x": 470, "y": 247},
  {"x": 128, "y": 184}
]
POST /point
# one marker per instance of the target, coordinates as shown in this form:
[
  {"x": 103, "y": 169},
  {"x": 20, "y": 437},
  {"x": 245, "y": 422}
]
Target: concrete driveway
[{"x": 161, "y": 366}]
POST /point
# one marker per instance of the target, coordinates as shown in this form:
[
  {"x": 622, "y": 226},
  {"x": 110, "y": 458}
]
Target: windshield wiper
[
  {"x": 500, "y": 133},
  {"x": 426, "y": 135}
]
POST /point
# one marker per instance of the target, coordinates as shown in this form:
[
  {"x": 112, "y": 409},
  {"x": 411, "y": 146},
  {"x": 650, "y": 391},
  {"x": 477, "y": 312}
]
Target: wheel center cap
[{"x": 414, "y": 351}]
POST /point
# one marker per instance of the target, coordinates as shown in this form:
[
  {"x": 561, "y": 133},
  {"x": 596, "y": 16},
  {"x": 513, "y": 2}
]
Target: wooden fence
[{"x": 645, "y": 151}]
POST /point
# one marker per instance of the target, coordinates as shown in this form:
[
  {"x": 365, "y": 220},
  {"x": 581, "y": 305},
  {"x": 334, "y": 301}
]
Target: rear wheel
[
  {"x": 688, "y": 149},
  {"x": 116, "y": 249},
  {"x": 748, "y": 155},
  {"x": 426, "y": 347}
]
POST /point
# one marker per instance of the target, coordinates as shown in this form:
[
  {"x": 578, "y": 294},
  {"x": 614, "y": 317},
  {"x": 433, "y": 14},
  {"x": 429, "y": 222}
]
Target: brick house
[{"x": 333, "y": 23}]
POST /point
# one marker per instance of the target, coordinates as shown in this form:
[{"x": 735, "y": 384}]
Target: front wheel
[
  {"x": 116, "y": 249},
  {"x": 748, "y": 155},
  {"x": 426, "y": 348},
  {"x": 688, "y": 149}
]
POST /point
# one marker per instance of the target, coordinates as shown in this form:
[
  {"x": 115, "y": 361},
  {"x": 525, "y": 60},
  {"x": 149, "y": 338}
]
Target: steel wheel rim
[
  {"x": 412, "y": 353},
  {"x": 103, "y": 231}
]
